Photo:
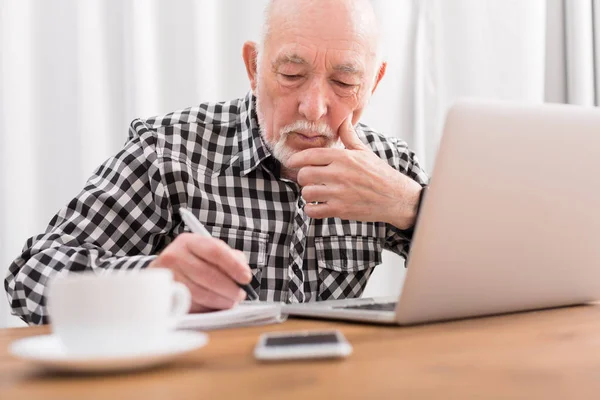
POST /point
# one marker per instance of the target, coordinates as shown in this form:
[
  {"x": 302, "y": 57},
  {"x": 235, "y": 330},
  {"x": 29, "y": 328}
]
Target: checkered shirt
[{"x": 212, "y": 160}]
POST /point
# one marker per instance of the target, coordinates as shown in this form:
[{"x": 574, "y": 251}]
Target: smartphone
[{"x": 302, "y": 345}]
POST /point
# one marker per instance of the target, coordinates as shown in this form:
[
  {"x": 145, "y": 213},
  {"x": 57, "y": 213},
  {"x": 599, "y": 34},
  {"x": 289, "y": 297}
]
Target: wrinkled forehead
[{"x": 344, "y": 60}]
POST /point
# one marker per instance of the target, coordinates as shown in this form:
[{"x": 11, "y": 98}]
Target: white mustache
[{"x": 303, "y": 127}]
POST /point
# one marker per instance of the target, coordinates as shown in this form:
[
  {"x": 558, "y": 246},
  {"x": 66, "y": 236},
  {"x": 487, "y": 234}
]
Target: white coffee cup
[{"x": 116, "y": 312}]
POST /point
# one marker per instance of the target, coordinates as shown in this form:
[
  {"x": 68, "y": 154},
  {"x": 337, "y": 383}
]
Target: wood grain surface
[{"x": 535, "y": 355}]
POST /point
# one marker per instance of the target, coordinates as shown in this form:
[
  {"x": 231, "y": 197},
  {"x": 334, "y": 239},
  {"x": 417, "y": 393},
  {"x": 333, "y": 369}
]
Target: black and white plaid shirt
[{"x": 212, "y": 160}]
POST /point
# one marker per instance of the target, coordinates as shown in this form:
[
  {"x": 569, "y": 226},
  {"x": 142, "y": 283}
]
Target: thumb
[{"x": 348, "y": 135}]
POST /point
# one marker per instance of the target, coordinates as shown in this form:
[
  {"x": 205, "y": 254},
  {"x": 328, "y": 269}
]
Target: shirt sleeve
[
  {"x": 405, "y": 161},
  {"x": 119, "y": 221}
]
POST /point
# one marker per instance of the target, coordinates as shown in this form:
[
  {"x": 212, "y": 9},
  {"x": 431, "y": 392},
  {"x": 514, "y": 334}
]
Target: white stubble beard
[{"x": 280, "y": 151}]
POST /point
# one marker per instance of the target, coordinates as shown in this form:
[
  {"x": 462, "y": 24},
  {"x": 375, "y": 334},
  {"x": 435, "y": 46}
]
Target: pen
[{"x": 196, "y": 227}]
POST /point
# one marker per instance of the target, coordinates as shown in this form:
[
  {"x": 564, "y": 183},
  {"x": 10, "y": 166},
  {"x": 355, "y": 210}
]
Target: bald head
[
  {"x": 317, "y": 66},
  {"x": 325, "y": 18}
]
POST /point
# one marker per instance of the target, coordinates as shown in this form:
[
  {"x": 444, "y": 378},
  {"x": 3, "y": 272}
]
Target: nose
[{"x": 313, "y": 102}]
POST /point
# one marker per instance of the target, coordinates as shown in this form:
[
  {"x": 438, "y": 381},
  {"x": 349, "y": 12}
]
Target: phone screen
[{"x": 295, "y": 340}]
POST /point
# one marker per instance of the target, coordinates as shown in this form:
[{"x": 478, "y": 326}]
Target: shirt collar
[{"x": 252, "y": 149}]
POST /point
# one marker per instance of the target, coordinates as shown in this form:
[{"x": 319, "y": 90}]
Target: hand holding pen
[
  {"x": 196, "y": 227},
  {"x": 214, "y": 272}
]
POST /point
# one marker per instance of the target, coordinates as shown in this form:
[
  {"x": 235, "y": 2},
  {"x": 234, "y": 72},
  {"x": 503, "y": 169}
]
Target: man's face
[{"x": 311, "y": 77}]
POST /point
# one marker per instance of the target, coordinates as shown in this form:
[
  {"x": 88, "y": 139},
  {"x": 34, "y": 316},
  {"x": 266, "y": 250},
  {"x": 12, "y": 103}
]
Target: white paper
[{"x": 245, "y": 314}]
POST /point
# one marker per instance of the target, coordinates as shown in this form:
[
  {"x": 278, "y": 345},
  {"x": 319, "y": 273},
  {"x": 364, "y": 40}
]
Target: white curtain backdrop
[
  {"x": 74, "y": 73},
  {"x": 582, "y": 46}
]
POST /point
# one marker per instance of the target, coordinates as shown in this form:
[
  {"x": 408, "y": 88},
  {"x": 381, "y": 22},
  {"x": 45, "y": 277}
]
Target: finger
[
  {"x": 210, "y": 300},
  {"x": 216, "y": 252},
  {"x": 210, "y": 277},
  {"x": 319, "y": 211},
  {"x": 316, "y": 193},
  {"x": 204, "y": 299},
  {"x": 348, "y": 135},
  {"x": 315, "y": 176},
  {"x": 198, "y": 308},
  {"x": 318, "y": 156}
]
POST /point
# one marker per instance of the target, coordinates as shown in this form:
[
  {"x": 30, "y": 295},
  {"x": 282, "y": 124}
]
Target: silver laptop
[{"x": 511, "y": 220}]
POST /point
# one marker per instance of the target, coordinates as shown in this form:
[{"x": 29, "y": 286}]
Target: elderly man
[{"x": 299, "y": 197}]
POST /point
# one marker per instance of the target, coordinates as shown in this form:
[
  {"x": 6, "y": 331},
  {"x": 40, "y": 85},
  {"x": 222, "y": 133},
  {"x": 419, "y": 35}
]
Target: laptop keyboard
[{"x": 371, "y": 306}]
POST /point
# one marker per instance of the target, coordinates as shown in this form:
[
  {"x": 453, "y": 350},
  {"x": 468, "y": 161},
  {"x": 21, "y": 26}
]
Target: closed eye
[
  {"x": 343, "y": 84},
  {"x": 291, "y": 77}
]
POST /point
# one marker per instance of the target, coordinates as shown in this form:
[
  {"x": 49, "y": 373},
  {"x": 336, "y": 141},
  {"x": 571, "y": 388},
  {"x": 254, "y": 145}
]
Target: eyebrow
[
  {"x": 348, "y": 69},
  {"x": 289, "y": 58},
  {"x": 292, "y": 58}
]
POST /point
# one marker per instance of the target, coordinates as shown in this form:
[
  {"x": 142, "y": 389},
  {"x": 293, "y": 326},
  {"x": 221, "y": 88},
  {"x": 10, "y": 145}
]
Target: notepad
[{"x": 245, "y": 314}]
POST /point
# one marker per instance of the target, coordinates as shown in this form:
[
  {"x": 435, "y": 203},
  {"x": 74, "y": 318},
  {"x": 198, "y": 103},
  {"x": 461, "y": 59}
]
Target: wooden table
[{"x": 536, "y": 355}]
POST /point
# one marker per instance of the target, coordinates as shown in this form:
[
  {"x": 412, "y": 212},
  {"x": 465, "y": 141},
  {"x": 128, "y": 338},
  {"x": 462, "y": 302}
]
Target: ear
[
  {"x": 250, "y": 55},
  {"x": 380, "y": 75}
]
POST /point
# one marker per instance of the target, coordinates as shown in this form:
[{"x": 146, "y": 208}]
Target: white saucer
[{"x": 47, "y": 351}]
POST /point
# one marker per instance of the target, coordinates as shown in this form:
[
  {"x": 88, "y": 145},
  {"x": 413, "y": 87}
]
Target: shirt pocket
[
  {"x": 252, "y": 243},
  {"x": 344, "y": 265}
]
